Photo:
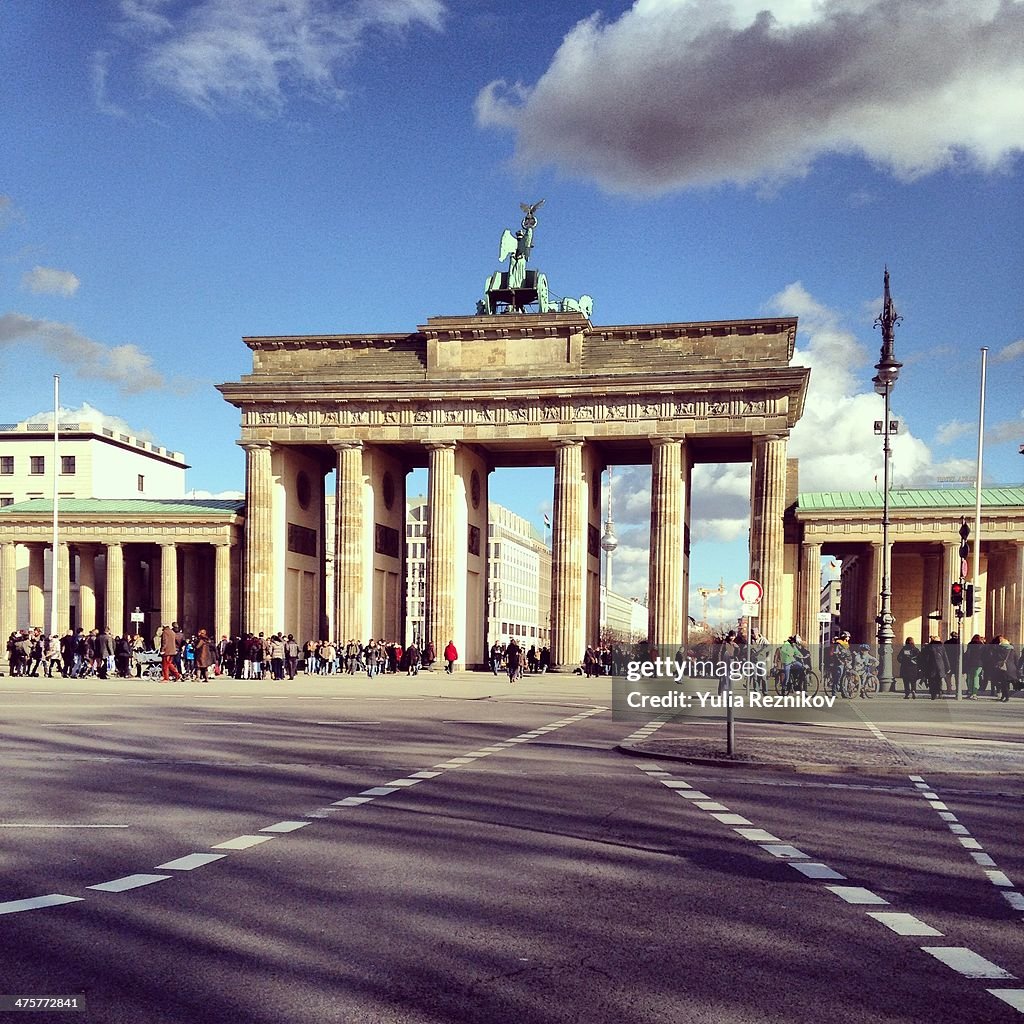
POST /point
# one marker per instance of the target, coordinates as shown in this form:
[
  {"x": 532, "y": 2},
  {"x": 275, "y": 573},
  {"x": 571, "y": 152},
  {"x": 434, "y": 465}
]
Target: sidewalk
[{"x": 976, "y": 737}]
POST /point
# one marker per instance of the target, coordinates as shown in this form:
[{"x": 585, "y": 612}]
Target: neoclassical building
[
  {"x": 165, "y": 560},
  {"x": 464, "y": 395},
  {"x": 924, "y": 533}
]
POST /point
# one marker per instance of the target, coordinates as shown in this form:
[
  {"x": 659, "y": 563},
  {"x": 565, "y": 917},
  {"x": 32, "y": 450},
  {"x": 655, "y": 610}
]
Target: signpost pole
[{"x": 751, "y": 593}]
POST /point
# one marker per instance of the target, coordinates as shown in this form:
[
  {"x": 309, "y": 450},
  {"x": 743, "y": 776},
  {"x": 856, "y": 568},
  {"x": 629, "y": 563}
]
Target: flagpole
[
  {"x": 55, "y": 560},
  {"x": 976, "y": 567}
]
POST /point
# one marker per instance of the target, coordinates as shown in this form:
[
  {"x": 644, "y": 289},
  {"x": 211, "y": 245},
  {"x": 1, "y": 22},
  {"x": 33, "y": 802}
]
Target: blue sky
[{"x": 179, "y": 174}]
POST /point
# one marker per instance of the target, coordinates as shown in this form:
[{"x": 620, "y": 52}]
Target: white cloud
[
  {"x": 677, "y": 93},
  {"x": 48, "y": 281},
  {"x": 218, "y": 495},
  {"x": 87, "y": 413},
  {"x": 127, "y": 367},
  {"x": 251, "y": 53},
  {"x": 1012, "y": 351},
  {"x": 1009, "y": 430},
  {"x": 952, "y": 431},
  {"x": 99, "y": 70}
]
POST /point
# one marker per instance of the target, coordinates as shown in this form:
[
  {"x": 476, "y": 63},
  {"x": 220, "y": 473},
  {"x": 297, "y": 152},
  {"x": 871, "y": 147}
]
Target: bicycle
[
  {"x": 802, "y": 679},
  {"x": 858, "y": 683}
]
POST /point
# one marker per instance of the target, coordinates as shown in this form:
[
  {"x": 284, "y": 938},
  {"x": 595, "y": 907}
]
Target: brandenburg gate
[{"x": 464, "y": 395}]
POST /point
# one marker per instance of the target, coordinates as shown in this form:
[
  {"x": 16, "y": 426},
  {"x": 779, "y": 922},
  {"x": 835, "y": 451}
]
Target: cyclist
[{"x": 790, "y": 659}]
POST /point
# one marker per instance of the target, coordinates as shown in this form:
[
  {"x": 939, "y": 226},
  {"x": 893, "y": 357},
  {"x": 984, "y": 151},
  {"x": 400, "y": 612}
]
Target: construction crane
[{"x": 705, "y": 593}]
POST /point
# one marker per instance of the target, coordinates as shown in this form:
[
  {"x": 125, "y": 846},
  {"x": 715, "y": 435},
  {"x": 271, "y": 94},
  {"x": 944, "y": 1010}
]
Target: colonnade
[
  {"x": 128, "y": 580},
  {"x": 456, "y": 570},
  {"x": 922, "y": 575}
]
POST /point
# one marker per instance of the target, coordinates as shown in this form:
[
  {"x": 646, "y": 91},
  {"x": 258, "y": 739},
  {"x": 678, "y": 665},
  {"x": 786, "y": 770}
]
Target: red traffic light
[{"x": 956, "y": 594}]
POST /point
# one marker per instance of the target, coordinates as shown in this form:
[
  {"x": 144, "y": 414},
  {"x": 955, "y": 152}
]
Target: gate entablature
[{"x": 462, "y": 394}]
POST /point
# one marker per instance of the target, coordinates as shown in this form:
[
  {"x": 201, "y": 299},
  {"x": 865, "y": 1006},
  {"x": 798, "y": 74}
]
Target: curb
[{"x": 808, "y": 767}]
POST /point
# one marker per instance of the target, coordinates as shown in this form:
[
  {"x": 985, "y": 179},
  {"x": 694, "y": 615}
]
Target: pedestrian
[
  {"x": 205, "y": 655},
  {"x": 935, "y": 665},
  {"x": 168, "y": 652},
  {"x": 412, "y": 657},
  {"x": 451, "y": 655},
  {"x": 953, "y": 657},
  {"x": 1005, "y": 672},
  {"x": 513, "y": 661},
  {"x": 974, "y": 663},
  {"x": 276, "y": 647},
  {"x": 909, "y": 661},
  {"x": 291, "y": 656}
]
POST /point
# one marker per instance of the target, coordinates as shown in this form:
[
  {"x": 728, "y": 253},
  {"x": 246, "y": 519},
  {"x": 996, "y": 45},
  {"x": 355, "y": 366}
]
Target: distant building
[
  {"x": 830, "y": 605},
  {"x": 925, "y": 539},
  {"x": 109, "y": 483},
  {"x": 94, "y": 461},
  {"x": 519, "y": 584},
  {"x": 623, "y": 619}
]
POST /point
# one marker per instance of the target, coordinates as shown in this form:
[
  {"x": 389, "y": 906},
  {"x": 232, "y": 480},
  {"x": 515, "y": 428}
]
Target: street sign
[
  {"x": 751, "y": 610},
  {"x": 751, "y": 592},
  {"x": 824, "y": 616},
  {"x": 137, "y": 616}
]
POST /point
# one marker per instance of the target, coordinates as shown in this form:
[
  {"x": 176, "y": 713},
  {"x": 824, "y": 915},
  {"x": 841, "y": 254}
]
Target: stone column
[
  {"x": 810, "y": 577},
  {"x": 349, "y": 546},
  {"x": 222, "y": 590},
  {"x": 61, "y": 588},
  {"x": 259, "y": 538},
  {"x": 87, "y": 586},
  {"x": 440, "y": 597},
  {"x": 1014, "y": 628},
  {"x": 115, "y": 588},
  {"x": 8, "y": 591},
  {"x": 665, "y": 581},
  {"x": 36, "y": 587},
  {"x": 168, "y": 584},
  {"x": 191, "y": 587},
  {"x": 568, "y": 558},
  {"x": 767, "y": 542}
]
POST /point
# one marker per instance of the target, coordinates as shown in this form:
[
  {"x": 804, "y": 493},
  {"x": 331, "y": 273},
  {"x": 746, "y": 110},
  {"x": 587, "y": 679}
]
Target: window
[
  {"x": 7, "y": 465},
  {"x": 142, "y": 483},
  {"x": 67, "y": 465},
  {"x": 37, "y": 465},
  {"x": 4, "y": 502}
]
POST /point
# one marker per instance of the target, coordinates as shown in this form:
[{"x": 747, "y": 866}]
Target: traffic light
[
  {"x": 969, "y": 601},
  {"x": 956, "y": 595}
]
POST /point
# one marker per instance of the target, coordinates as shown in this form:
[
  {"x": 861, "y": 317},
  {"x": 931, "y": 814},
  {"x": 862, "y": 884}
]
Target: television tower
[{"x": 609, "y": 542}]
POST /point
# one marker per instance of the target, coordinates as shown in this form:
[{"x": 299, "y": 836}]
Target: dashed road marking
[
  {"x": 857, "y": 895},
  {"x": 55, "y": 899},
  {"x": 128, "y": 882},
  {"x": 998, "y": 878},
  {"x": 1013, "y": 996},
  {"x": 819, "y": 871},
  {"x": 242, "y": 843},
  {"x": 966, "y": 962},
  {"x": 191, "y": 862},
  {"x": 285, "y": 826},
  {"x": 903, "y": 924}
]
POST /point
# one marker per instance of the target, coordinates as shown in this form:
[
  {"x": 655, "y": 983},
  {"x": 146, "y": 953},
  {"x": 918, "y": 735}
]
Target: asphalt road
[{"x": 436, "y": 850}]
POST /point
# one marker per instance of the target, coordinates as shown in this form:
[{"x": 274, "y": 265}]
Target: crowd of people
[
  {"x": 994, "y": 667},
  {"x": 76, "y": 654}
]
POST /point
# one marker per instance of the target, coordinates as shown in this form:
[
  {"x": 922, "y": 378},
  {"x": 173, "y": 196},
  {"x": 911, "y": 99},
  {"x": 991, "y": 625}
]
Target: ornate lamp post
[{"x": 888, "y": 373}]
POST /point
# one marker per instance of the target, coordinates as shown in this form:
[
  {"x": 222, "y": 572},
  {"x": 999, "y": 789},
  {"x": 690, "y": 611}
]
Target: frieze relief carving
[{"x": 504, "y": 411}]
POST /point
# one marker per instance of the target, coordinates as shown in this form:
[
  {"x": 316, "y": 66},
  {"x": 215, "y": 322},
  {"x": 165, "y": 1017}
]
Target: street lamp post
[{"x": 885, "y": 380}]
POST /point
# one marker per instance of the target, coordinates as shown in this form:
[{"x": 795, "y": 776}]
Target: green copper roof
[
  {"x": 128, "y": 507},
  {"x": 953, "y": 497}
]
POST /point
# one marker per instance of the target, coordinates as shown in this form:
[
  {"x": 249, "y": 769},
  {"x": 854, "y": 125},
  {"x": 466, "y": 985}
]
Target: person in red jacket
[{"x": 451, "y": 655}]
